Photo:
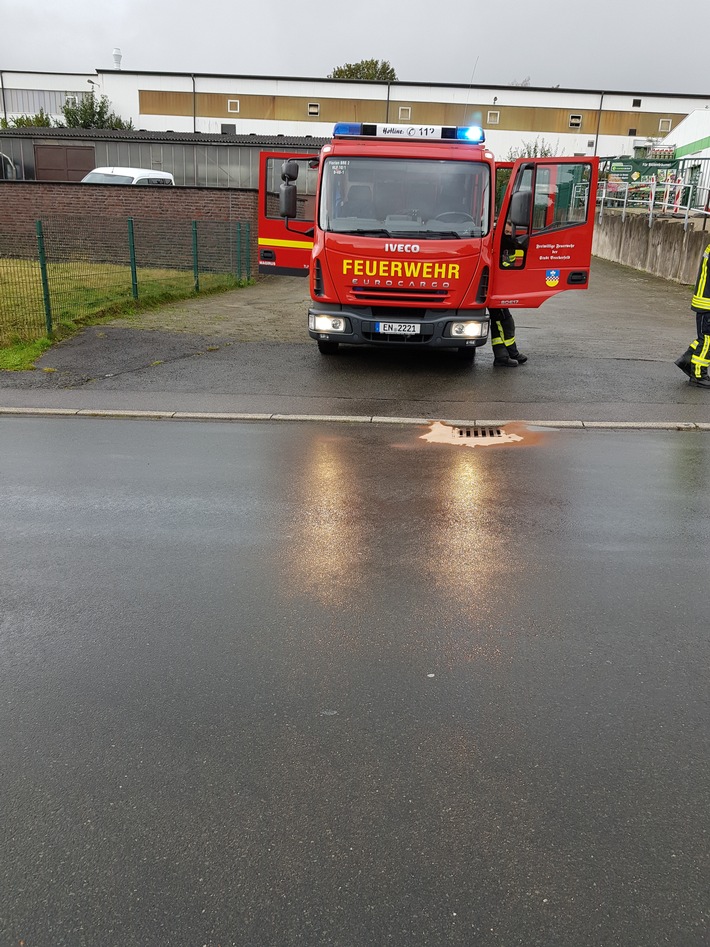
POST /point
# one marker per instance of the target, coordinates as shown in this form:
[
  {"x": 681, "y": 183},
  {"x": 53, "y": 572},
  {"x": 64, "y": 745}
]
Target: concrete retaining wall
[{"x": 665, "y": 249}]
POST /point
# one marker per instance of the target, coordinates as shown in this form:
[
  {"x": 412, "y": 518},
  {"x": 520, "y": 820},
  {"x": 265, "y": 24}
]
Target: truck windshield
[{"x": 402, "y": 196}]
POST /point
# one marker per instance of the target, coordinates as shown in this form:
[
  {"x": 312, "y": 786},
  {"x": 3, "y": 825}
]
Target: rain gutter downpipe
[
  {"x": 194, "y": 104},
  {"x": 2, "y": 93},
  {"x": 599, "y": 121}
]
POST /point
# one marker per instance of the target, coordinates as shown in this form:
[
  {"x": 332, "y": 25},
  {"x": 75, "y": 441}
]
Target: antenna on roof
[{"x": 468, "y": 91}]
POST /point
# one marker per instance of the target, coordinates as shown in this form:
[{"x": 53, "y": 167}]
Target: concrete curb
[{"x": 348, "y": 419}]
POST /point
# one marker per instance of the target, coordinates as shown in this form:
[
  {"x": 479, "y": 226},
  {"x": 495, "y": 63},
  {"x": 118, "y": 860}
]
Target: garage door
[{"x": 63, "y": 162}]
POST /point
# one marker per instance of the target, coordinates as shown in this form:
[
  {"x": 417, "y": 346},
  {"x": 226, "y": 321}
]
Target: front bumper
[{"x": 435, "y": 328}]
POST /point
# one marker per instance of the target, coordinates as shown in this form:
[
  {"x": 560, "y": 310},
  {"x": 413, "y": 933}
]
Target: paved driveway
[{"x": 605, "y": 354}]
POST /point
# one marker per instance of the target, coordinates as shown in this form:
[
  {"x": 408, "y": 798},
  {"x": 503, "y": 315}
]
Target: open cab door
[
  {"x": 543, "y": 239},
  {"x": 285, "y": 245}
]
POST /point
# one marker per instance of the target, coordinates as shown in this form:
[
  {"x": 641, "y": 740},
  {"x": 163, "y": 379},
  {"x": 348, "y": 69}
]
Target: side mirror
[
  {"x": 520, "y": 207},
  {"x": 289, "y": 171},
  {"x": 287, "y": 200}
]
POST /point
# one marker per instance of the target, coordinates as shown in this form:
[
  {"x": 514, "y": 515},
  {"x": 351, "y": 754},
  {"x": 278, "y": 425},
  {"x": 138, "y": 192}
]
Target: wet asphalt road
[{"x": 273, "y": 684}]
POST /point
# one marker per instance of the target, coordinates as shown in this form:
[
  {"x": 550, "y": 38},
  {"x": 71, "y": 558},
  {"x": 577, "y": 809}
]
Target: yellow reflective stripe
[
  {"x": 699, "y": 298},
  {"x": 703, "y": 273},
  {"x": 298, "y": 244},
  {"x": 500, "y": 339},
  {"x": 700, "y": 359}
]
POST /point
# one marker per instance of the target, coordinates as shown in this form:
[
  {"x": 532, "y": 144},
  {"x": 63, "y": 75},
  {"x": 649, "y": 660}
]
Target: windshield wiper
[
  {"x": 369, "y": 232},
  {"x": 439, "y": 234},
  {"x": 447, "y": 234},
  {"x": 363, "y": 231}
]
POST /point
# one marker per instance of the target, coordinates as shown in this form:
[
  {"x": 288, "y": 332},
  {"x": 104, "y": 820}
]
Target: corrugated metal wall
[{"x": 201, "y": 165}]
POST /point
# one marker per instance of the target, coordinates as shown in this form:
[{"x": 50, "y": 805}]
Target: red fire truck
[{"x": 395, "y": 224}]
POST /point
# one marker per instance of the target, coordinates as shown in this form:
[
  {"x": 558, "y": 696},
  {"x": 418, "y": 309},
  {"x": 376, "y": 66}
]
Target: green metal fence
[{"x": 62, "y": 270}]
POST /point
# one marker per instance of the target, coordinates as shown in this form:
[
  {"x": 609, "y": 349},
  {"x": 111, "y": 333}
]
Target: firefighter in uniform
[
  {"x": 505, "y": 349},
  {"x": 695, "y": 361}
]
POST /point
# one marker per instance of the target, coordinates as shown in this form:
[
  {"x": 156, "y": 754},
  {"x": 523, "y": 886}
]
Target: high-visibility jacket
[{"x": 701, "y": 295}]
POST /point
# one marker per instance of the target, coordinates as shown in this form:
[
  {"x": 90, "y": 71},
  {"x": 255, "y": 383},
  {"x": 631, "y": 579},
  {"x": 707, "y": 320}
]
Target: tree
[
  {"x": 529, "y": 149},
  {"x": 523, "y": 82},
  {"x": 533, "y": 149},
  {"x": 41, "y": 120},
  {"x": 91, "y": 112},
  {"x": 365, "y": 69}
]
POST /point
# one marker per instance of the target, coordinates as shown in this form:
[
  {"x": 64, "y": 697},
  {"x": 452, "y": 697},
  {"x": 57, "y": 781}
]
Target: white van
[{"x": 128, "y": 176}]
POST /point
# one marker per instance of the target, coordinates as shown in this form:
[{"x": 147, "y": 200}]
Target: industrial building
[{"x": 571, "y": 121}]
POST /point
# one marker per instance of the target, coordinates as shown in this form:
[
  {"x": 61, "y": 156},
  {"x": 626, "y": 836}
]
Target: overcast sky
[{"x": 596, "y": 45}]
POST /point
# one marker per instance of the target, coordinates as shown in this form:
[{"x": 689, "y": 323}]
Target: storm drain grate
[
  {"x": 474, "y": 435},
  {"x": 489, "y": 433}
]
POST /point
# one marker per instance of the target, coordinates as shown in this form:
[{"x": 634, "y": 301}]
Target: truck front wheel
[
  {"x": 327, "y": 348},
  {"x": 466, "y": 355}
]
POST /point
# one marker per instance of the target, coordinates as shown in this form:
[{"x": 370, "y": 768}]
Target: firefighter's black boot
[
  {"x": 684, "y": 363},
  {"x": 701, "y": 381},
  {"x": 501, "y": 358},
  {"x": 518, "y": 356}
]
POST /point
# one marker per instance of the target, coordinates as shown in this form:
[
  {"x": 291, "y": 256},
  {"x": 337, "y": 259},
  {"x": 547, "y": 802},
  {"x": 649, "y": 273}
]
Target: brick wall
[{"x": 94, "y": 217}]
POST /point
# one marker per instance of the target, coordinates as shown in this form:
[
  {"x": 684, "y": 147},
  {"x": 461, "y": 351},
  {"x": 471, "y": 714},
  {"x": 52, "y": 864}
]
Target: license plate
[{"x": 398, "y": 328}]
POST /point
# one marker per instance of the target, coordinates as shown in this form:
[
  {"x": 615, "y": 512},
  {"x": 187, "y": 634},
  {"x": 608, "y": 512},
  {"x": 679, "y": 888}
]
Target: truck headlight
[
  {"x": 469, "y": 330},
  {"x": 327, "y": 323}
]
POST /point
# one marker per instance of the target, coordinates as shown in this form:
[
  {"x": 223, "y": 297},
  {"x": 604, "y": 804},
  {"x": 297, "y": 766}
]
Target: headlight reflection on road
[
  {"x": 470, "y": 549},
  {"x": 327, "y": 533}
]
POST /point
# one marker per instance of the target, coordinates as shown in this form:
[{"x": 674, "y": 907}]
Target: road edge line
[{"x": 347, "y": 419}]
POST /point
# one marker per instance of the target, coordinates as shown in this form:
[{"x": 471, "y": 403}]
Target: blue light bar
[
  {"x": 347, "y": 128},
  {"x": 473, "y": 134}
]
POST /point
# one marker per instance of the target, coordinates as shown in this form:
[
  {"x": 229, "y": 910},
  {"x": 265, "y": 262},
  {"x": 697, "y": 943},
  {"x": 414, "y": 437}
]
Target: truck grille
[{"x": 393, "y": 294}]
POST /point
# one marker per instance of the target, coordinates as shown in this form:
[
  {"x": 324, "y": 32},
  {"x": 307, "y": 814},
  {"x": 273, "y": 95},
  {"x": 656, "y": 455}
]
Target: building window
[
  {"x": 493, "y": 118},
  {"x": 30, "y": 101},
  {"x": 636, "y": 104},
  {"x": 228, "y": 129},
  {"x": 632, "y": 131},
  {"x": 590, "y": 143},
  {"x": 233, "y": 105},
  {"x": 575, "y": 121},
  {"x": 405, "y": 113},
  {"x": 314, "y": 109},
  {"x": 665, "y": 125}
]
